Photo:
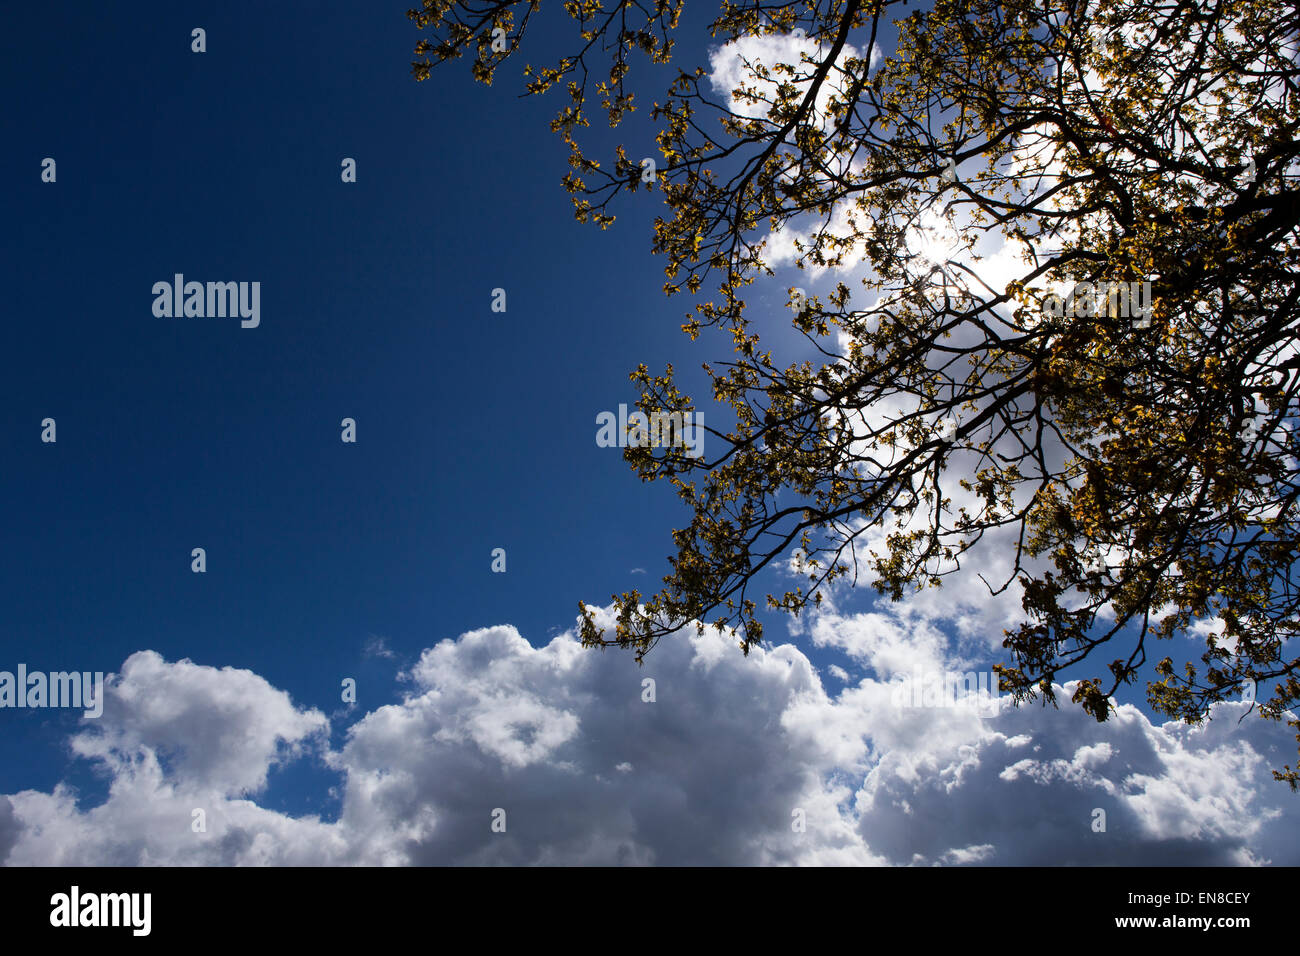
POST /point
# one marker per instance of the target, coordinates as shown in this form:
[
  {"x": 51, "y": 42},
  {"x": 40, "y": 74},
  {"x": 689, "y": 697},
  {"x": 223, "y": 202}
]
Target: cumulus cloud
[
  {"x": 733, "y": 755},
  {"x": 174, "y": 737},
  {"x": 224, "y": 728}
]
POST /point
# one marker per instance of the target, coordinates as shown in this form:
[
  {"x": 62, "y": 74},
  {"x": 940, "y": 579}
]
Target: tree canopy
[{"x": 1058, "y": 246}]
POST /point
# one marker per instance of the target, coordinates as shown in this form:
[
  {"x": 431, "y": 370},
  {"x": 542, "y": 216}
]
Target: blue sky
[{"x": 475, "y": 429}]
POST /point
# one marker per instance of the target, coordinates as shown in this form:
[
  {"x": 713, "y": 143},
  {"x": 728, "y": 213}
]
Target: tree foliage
[{"x": 1142, "y": 477}]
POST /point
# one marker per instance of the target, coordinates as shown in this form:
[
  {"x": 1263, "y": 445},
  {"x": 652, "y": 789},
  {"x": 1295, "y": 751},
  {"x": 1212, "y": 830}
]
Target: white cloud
[
  {"x": 714, "y": 771},
  {"x": 223, "y": 729},
  {"x": 731, "y": 68},
  {"x": 377, "y": 646}
]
